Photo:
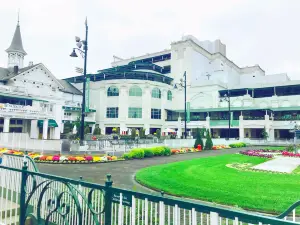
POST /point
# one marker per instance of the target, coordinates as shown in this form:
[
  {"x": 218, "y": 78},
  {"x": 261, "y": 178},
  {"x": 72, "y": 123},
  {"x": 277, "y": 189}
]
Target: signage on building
[
  {"x": 87, "y": 95},
  {"x": 188, "y": 112}
]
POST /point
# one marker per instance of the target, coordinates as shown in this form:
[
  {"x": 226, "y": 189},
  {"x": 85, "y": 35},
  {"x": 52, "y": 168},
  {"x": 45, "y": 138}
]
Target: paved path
[
  {"x": 122, "y": 172},
  {"x": 280, "y": 164}
]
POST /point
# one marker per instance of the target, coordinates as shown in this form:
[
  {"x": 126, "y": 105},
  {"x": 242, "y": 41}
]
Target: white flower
[
  {"x": 63, "y": 158},
  {"x": 104, "y": 158}
]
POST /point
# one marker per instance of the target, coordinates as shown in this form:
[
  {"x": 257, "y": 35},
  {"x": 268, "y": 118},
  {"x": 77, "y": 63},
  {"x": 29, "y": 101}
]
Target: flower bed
[
  {"x": 262, "y": 153},
  {"x": 290, "y": 154},
  {"x": 37, "y": 157}
]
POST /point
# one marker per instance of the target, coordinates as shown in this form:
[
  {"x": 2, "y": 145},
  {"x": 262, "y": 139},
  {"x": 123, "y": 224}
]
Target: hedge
[
  {"x": 238, "y": 145},
  {"x": 140, "y": 153}
]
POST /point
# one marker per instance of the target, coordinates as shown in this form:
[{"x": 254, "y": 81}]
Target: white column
[
  {"x": 241, "y": 128},
  {"x": 147, "y": 129},
  {"x": 207, "y": 124},
  {"x": 268, "y": 125},
  {"x": 45, "y": 129},
  {"x": 34, "y": 130},
  {"x": 146, "y": 104},
  {"x": 179, "y": 129},
  {"x": 6, "y": 124}
]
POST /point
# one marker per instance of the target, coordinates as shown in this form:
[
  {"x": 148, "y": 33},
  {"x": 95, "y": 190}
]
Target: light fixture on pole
[
  {"x": 83, "y": 53},
  {"x": 183, "y": 85}
]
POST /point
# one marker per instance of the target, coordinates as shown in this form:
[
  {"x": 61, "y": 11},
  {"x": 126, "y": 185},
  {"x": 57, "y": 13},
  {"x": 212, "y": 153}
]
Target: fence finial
[{"x": 108, "y": 182}]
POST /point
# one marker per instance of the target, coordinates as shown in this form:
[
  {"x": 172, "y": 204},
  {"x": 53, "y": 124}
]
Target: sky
[{"x": 264, "y": 32}]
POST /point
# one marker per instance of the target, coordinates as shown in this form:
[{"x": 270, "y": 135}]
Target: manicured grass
[{"x": 211, "y": 180}]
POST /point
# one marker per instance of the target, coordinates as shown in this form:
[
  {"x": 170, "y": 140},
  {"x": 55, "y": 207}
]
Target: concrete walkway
[
  {"x": 123, "y": 172},
  {"x": 279, "y": 164}
]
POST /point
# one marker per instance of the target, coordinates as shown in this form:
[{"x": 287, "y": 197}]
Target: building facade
[
  {"x": 139, "y": 93},
  {"x": 32, "y": 100}
]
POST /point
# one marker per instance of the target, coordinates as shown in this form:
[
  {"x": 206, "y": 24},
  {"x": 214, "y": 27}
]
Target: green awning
[
  {"x": 68, "y": 108},
  {"x": 89, "y": 123},
  {"x": 51, "y": 123}
]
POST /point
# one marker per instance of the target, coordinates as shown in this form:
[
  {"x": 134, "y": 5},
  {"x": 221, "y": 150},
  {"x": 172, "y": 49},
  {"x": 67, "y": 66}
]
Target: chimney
[
  {"x": 16, "y": 69},
  {"x": 30, "y": 63}
]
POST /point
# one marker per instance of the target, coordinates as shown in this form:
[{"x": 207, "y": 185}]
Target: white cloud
[{"x": 255, "y": 31}]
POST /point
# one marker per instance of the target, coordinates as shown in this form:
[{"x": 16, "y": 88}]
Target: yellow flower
[
  {"x": 78, "y": 158},
  {"x": 114, "y": 158},
  {"x": 97, "y": 159}
]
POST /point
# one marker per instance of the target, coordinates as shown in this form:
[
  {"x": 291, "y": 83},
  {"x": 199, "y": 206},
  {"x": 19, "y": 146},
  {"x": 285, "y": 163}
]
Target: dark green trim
[
  {"x": 22, "y": 97},
  {"x": 51, "y": 123}
]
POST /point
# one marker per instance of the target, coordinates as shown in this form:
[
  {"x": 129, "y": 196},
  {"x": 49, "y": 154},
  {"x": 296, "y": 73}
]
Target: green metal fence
[{"x": 49, "y": 199}]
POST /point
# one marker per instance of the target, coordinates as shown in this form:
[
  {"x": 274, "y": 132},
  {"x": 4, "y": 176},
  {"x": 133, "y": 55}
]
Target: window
[
  {"x": 135, "y": 91},
  {"x": 19, "y": 121},
  {"x": 169, "y": 95},
  {"x": 112, "y": 91},
  {"x": 112, "y": 112},
  {"x": 134, "y": 112},
  {"x": 156, "y": 93},
  {"x": 155, "y": 114}
]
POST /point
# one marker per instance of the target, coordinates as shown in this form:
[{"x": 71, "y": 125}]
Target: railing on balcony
[
  {"x": 50, "y": 199},
  {"x": 253, "y": 117},
  {"x": 287, "y": 118}
]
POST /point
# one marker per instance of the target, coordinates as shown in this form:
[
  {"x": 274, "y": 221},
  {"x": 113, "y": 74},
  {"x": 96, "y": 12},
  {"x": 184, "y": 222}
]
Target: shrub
[
  {"x": 142, "y": 133},
  {"x": 127, "y": 156},
  {"x": 198, "y": 140},
  {"x": 148, "y": 152},
  {"x": 97, "y": 131},
  {"x": 86, "y": 130},
  {"x": 167, "y": 151},
  {"x": 133, "y": 133},
  {"x": 208, "y": 143},
  {"x": 158, "y": 133},
  {"x": 290, "y": 148},
  {"x": 137, "y": 153},
  {"x": 238, "y": 145},
  {"x": 158, "y": 151}
]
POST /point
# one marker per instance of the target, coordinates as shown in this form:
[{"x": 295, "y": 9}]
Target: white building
[
  {"x": 32, "y": 100},
  {"x": 139, "y": 93}
]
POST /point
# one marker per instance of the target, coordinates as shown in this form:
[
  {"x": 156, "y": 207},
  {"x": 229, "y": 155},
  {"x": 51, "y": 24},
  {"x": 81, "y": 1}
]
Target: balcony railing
[{"x": 56, "y": 200}]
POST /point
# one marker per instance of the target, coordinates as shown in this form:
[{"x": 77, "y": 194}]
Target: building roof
[
  {"x": 16, "y": 44},
  {"x": 69, "y": 88},
  {"x": 6, "y": 74}
]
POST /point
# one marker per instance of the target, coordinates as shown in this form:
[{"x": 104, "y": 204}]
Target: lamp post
[
  {"x": 183, "y": 85},
  {"x": 83, "y": 53},
  {"x": 227, "y": 99}
]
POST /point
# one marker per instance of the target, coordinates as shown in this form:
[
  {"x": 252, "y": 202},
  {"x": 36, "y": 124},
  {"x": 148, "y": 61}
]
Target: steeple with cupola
[{"x": 16, "y": 51}]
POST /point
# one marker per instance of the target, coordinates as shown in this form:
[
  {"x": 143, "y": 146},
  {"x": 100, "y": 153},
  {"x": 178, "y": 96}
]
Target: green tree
[
  {"x": 133, "y": 133},
  {"x": 86, "y": 130},
  {"x": 208, "y": 143},
  {"x": 158, "y": 133},
  {"x": 198, "y": 140},
  {"x": 142, "y": 133},
  {"x": 264, "y": 134},
  {"x": 68, "y": 127},
  {"x": 97, "y": 130}
]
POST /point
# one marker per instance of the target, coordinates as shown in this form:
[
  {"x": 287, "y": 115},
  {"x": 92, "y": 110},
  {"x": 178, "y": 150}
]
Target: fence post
[
  {"x": 108, "y": 200},
  {"x": 23, "y": 210}
]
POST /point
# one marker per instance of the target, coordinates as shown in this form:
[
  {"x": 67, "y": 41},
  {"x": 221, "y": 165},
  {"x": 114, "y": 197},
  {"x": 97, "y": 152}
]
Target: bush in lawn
[
  {"x": 137, "y": 153},
  {"x": 142, "y": 133},
  {"x": 167, "y": 151},
  {"x": 87, "y": 130},
  {"x": 127, "y": 156},
  {"x": 198, "y": 140},
  {"x": 238, "y": 145},
  {"x": 148, "y": 152},
  {"x": 208, "y": 144},
  {"x": 158, "y": 151}
]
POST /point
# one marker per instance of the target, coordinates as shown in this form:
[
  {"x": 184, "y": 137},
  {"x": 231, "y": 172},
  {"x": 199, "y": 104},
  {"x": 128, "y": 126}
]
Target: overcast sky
[{"x": 264, "y": 32}]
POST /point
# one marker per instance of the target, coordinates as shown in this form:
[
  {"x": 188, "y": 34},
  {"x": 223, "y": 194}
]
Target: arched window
[
  {"x": 113, "y": 91},
  {"x": 135, "y": 91},
  {"x": 156, "y": 93},
  {"x": 169, "y": 95}
]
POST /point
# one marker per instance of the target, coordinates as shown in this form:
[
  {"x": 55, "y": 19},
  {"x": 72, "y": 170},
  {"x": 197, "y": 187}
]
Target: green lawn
[{"x": 211, "y": 180}]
